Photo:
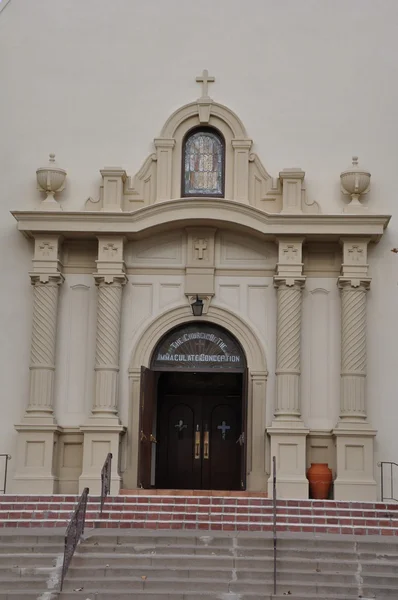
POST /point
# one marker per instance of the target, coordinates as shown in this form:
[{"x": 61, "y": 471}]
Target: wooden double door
[{"x": 197, "y": 439}]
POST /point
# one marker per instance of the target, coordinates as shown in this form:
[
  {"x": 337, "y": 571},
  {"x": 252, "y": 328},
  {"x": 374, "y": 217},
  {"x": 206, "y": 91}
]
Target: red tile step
[{"x": 250, "y": 512}]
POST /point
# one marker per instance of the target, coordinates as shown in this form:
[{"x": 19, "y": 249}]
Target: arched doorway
[{"x": 193, "y": 411}]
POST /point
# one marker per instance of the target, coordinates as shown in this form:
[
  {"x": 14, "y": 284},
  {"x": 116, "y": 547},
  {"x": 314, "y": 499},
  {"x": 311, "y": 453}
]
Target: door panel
[
  {"x": 222, "y": 470},
  {"x": 216, "y": 423},
  {"x": 147, "y": 413},
  {"x": 177, "y": 467}
]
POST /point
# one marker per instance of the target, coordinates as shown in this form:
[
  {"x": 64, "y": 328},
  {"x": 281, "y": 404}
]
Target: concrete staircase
[
  {"x": 191, "y": 546},
  {"x": 235, "y": 566},
  {"x": 30, "y": 564}
]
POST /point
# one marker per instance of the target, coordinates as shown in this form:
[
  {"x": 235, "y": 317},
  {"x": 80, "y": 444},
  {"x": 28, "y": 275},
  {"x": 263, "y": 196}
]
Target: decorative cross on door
[
  {"x": 224, "y": 428},
  {"x": 180, "y": 425}
]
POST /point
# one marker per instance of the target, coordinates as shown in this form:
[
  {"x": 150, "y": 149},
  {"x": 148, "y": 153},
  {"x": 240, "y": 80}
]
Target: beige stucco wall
[{"x": 95, "y": 81}]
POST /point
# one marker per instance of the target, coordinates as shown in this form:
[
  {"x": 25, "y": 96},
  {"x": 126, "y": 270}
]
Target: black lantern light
[{"x": 197, "y": 307}]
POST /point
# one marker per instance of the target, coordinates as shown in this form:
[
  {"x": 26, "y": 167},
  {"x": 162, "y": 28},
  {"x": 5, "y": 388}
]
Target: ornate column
[
  {"x": 107, "y": 345},
  {"x": 287, "y": 432},
  {"x": 354, "y": 435},
  {"x": 38, "y": 432},
  {"x": 103, "y": 429},
  {"x": 288, "y": 348}
]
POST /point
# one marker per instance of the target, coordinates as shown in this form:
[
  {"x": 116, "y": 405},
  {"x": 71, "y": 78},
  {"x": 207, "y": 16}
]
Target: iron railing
[
  {"x": 274, "y": 515},
  {"x": 74, "y": 533},
  {"x": 105, "y": 480},
  {"x": 388, "y": 470},
  {"x": 6, "y": 458}
]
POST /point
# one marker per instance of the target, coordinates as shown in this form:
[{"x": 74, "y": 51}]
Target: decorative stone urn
[
  {"x": 355, "y": 182},
  {"x": 51, "y": 180},
  {"x": 320, "y": 477}
]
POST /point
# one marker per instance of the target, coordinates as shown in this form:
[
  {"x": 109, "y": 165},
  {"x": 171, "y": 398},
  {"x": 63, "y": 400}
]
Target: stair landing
[
  {"x": 213, "y": 493},
  {"x": 166, "y": 511}
]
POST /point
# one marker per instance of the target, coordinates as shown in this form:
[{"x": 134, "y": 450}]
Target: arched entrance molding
[
  {"x": 255, "y": 353},
  {"x": 254, "y": 350}
]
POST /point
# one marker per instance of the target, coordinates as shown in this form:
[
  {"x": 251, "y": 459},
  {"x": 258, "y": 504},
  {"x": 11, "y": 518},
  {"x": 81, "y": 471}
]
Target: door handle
[
  {"x": 153, "y": 439},
  {"x": 206, "y": 449},
  {"x": 143, "y": 436},
  {"x": 197, "y": 443},
  {"x": 241, "y": 439}
]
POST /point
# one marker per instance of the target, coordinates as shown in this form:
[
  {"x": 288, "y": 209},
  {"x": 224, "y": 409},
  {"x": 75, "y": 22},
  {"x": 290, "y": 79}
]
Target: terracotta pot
[{"x": 320, "y": 477}]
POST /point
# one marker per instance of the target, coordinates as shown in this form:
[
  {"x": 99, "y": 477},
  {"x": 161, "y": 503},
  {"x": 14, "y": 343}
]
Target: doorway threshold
[{"x": 179, "y": 492}]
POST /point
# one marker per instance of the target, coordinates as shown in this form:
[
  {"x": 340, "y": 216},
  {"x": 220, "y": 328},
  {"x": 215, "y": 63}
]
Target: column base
[
  {"x": 257, "y": 482},
  {"x": 99, "y": 440},
  {"x": 355, "y": 462},
  {"x": 288, "y": 445},
  {"x": 37, "y": 447}
]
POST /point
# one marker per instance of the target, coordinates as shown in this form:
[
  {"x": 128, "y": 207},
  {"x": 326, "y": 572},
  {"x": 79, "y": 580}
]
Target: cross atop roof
[{"x": 205, "y": 79}]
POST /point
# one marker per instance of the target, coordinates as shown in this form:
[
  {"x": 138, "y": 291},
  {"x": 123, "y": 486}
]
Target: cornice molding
[{"x": 206, "y": 211}]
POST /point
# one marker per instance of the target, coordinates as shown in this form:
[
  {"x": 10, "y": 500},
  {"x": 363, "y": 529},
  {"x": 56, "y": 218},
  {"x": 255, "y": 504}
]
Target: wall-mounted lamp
[{"x": 197, "y": 307}]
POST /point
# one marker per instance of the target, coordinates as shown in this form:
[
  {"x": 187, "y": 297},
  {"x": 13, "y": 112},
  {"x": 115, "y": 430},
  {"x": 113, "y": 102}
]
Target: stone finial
[
  {"x": 355, "y": 182},
  {"x": 51, "y": 180}
]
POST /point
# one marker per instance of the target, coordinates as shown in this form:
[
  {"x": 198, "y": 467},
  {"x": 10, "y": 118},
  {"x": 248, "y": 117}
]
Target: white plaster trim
[
  {"x": 221, "y": 210},
  {"x": 191, "y": 110}
]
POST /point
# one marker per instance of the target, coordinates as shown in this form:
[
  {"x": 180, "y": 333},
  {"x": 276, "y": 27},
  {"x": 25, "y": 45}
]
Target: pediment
[
  {"x": 253, "y": 200},
  {"x": 247, "y": 181}
]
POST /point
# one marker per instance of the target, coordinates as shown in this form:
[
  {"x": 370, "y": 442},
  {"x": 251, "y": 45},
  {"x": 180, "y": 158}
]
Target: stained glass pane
[{"x": 204, "y": 156}]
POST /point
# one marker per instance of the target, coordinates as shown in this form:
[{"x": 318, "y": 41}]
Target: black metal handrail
[
  {"x": 382, "y": 465},
  {"x": 6, "y": 457},
  {"x": 74, "y": 533},
  {"x": 274, "y": 514},
  {"x": 105, "y": 480}
]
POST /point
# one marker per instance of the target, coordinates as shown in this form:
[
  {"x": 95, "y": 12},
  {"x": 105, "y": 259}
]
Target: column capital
[
  {"x": 360, "y": 284},
  {"x": 292, "y": 282},
  {"x": 110, "y": 278},
  {"x": 44, "y": 278}
]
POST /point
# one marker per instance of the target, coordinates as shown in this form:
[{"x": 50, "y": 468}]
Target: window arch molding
[
  {"x": 169, "y": 149},
  {"x": 203, "y": 163}
]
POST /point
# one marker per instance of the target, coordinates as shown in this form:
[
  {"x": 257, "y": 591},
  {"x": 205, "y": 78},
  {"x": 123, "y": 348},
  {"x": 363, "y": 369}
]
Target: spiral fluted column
[
  {"x": 288, "y": 350},
  {"x": 42, "y": 354},
  {"x": 107, "y": 346},
  {"x": 353, "y": 351}
]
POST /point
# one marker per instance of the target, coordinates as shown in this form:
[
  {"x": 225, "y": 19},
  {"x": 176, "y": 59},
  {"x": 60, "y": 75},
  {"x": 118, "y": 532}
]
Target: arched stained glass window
[{"x": 203, "y": 163}]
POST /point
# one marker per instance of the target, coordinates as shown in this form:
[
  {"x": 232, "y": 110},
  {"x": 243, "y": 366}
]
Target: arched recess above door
[
  {"x": 150, "y": 336},
  {"x": 199, "y": 346}
]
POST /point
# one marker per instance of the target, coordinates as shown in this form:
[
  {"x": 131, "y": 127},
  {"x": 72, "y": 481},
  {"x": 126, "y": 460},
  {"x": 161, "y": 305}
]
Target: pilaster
[
  {"x": 38, "y": 432},
  {"x": 199, "y": 273},
  {"x": 287, "y": 432},
  {"x": 164, "y": 153},
  {"x": 241, "y": 169},
  {"x": 113, "y": 188},
  {"x": 257, "y": 479},
  {"x": 354, "y": 435},
  {"x": 103, "y": 429},
  {"x": 292, "y": 186}
]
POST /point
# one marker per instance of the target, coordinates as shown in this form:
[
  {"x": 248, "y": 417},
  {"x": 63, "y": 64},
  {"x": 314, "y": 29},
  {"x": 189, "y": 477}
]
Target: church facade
[{"x": 198, "y": 317}]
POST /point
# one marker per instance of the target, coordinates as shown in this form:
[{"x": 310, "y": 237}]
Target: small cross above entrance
[
  {"x": 223, "y": 428},
  {"x": 200, "y": 247},
  {"x": 205, "y": 79}
]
